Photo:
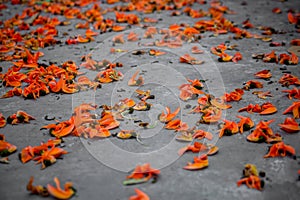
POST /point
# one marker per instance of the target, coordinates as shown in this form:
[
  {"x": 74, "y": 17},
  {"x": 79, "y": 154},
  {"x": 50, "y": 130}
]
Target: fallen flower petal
[
  {"x": 290, "y": 125},
  {"x": 293, "y": 93},
  {"x": 142, "y": 173},
  {"x": 185, "y": 136},
  {"x": 165, "y": 118},
  {"x": 132, "y": 37},
  {"x": 264, "y": 109},
  {"x": 140, "y": 195},
  {"x": 37, "y": 189},
  {"x": 251, "y": 108},
  {"x": 224, "y": 57},
  {"x": 188, "y": 91},
  {"x": 195, "y": 148},
  {"x": 5, "y": 147},
  {"x": 280, "y": 150},
  {"x": 270, "y": 57},
  {"x": 60, "y": 193},
  {"x": 142, "y": 106},
  {"x": 276, "y": 44},
  {"x": 289, "y": 79},
  {"x": 136, "y": 82},
  {"x": 126, "y": 134},
  {"x": 211, "y": 115},
  {"x": 48, "y": 157},
  {"x": 118, "y": 39},
  {"x": 257, "y": 136},
  {"x": 247, "y": 24},
  {"x": 150, "y": 20},
  {"x": 245, "y": 124},
  {"x": 236, "y": 57},
  {"x": 199, "y": 163},
  {"x": 288, "y": 59},
  {"x": 252, "y": 84},
  {"x": 262, "y": 94},
  {"x": 144, "y": 95},
  {"x": 276, "y": 10},
  {"x": 212, "y": 150},
  {"x": 117, "y": 28},
  {"x": 27, "y": 154},
  {"x": 90, "y": 33},
  {"x": 235, "y": 95},
  {"x": 108, "y": 121},
  {"x": 228, "y": 128},
  {"x": 196, "y": 50},
  {"x": 267, "y": 109},
  {"x": 2, "y": 121},
  {"x": 154, "y": 52},
  {"x": 173, "y": 124},
  {"x": 186, "y": 58},
  {"x": 295, "y": 42},
  {"x": 200, "y": 134},
  {"x": 19, "y": 117},
  {"x": 265, "y": 74},
  {"x": 219, "y": 103},
  {"x": 124, "y": 104},
  {"x": 292, "y": 19},
  {"x": 113, "y": 50},
  {"x": 263, "y": 133},
  {"x": 13, "y": 92},
  {"x": 251, "y": 182},
  {"x": 294, "y": 108},
  {"x": 4, "y": 160}
]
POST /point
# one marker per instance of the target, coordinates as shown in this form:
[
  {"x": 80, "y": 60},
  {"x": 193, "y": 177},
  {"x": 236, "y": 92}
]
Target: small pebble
[
  {"x": 262, "y": 174},
  {"x": 121, "y": 90},
  {"x": 49, "y": 118},
  {"x": 286, "y": 72},
  {"x": 188, "y": 106},
  {"x": 283, "y": 68}
]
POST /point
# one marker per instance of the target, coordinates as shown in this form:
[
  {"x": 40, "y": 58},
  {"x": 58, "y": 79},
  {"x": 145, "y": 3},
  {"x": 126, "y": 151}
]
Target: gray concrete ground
[{"x": 97, "y": 167}]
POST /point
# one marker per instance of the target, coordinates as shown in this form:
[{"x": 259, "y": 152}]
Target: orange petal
[
  {"x": 213, "y": 150},
  {"x": 27, "y": 154},
  {"x": 133, "y": 82},
  {"x": 199, "y": 163},
  {"x": 59, "y": 193},
  {"x": 265, "y": 74},
  {"x": 140, "y": 195},
  {"x": 290, "y": 125},
  {"x": 2, "y": 121},
  {"x": 291, "y": 18},
  {"x": 169, "y": 116},
  {"x": 173, "y": 124},
  {"x": 268, "y": 111},
  {"x": 276, "y": 10},
  {"x": 280, "y": 149},
  {"x": 219, "y": 103}
]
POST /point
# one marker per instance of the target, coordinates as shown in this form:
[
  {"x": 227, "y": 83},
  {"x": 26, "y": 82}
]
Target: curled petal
[
  {"x": 60, "y": 193},
  {"x": 140, "y": 195}
]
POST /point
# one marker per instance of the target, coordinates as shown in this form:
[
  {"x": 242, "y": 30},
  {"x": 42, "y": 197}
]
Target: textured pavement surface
[{"x": 97, "y": 167}]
